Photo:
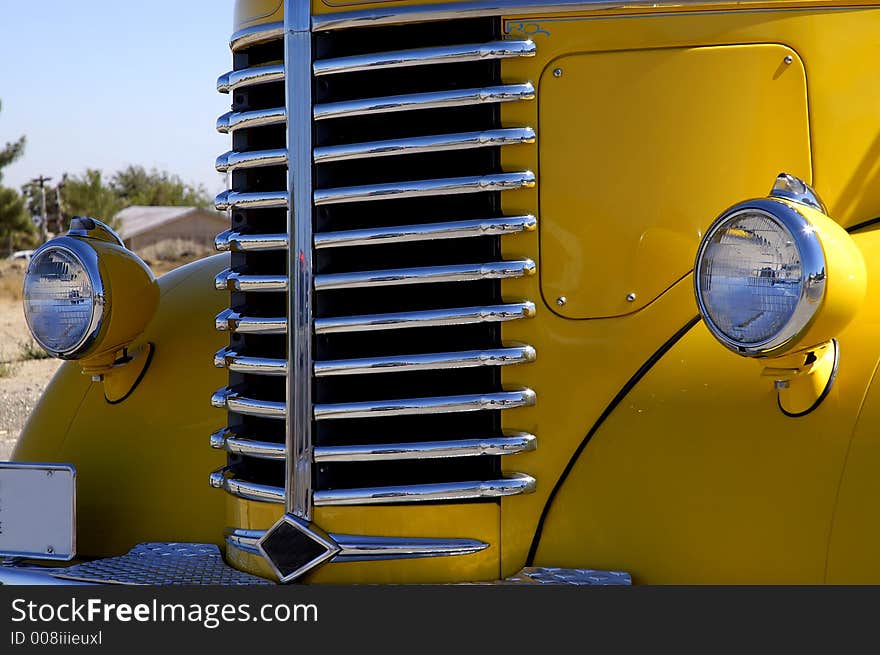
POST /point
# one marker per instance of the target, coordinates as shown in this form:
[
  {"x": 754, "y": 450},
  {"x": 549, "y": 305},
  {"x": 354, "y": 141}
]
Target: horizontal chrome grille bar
[
  {"x": 507, "y": 445},
  {"x": 228, "y": 399},
  {"x": 425, "y": 232},
  {"x": 424, "y": 188},
  {"x": 232, "y": 160},
  {"x": 249, "y": 77},
  {"x": 230, "y": 359},
  {"x": 250, "y": 200},
  {"x": 512, "y": 484},
  {"x": 239, "y": 120},
  {"x": 426, "y": 100},
  {"x": 425, "y": 362},
  {"x": 256, "y": 34},
  {"x": 425, "y": 318},
  {"x": 450, "y": 54},
  {"x": 230, "y": 240},
  {"x": 227, "y": 439},
  {"x": 423, "y": 406},
  {"x": 229, "y": 280},
  {"x": 426, "y": 275},
  {"x": 223, "y": 479},
  {"x": 231, "y": 321},
  {"x": 425, "y": 144}
]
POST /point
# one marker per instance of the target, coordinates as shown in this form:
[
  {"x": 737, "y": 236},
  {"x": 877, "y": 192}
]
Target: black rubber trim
[
  {"x": 863, "y": 225},
  {"x": 825, "y": 391},
  {"x": 632, "y": 382},
  {"x": 152, "y": 349}
]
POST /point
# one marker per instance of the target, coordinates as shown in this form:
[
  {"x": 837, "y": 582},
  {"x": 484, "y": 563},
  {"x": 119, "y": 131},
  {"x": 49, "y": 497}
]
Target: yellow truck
[{"x": 571, "y": 291}]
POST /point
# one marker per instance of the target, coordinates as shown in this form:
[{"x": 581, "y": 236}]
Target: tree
[
  {"x": 88, "y": 195},
  {"x": 135, "y": 186},
  {"x": 16, "y": 228}
]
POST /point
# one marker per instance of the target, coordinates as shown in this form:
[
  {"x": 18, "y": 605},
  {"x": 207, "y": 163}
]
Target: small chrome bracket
[
  {"x": 92, "y": 228},
  {"x": 293, "y": 547},
  {"x": 794, "y": 188}
]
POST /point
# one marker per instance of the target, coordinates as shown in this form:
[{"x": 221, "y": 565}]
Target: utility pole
[{"x": 43, "y": 219}]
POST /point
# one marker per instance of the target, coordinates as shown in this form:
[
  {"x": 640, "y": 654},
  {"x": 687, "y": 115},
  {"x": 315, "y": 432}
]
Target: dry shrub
[
  {"x": 6, "y": 369},
  {"x": 11, "y": 279},
  {"x": 175, "y": 250},
  {"x": 30, "y": 350}
]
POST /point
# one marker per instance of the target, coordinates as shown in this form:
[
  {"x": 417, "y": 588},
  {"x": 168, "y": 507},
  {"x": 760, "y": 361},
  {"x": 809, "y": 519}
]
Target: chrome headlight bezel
[
  {"x": 88, "y": 259},
  {"x": 813, "y": 269}
]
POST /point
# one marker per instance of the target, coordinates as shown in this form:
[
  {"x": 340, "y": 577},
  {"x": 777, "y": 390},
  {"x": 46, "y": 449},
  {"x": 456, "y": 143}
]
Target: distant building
[{"x": 141, "y": 226}]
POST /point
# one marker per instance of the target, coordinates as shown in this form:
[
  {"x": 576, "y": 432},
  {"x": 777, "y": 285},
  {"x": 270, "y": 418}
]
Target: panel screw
[
  {"x": 561, "y": 300},
  {"x": 630, "y": 297},
  {"x": 49, "y": 474},
  {"x": 50, "y": 550},
  {"x": 788, "y": 59},
  {"x": 557, "y": 72},
  {"x": 781, "y": 384}
]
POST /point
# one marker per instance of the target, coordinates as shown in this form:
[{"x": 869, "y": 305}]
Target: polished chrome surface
[
  {"x": 250, "y": 200},
  {"x": 230, "y": 359},
  {"x": 425, "y": 100},
  {"x": 228, "y": 439},
  {"x": 425, "y": 144},
  {"x": 425, "y": 318},
  {"x": 231, "y": 321},
  {"x": 426, "y": 275},
  {"x": 416, "y": 188},
  {"x": 425, "y": 232},
  {"x": 449, "y": 54},
  {"x": 812, "y": 265},
  {"x": 162, "y": 564},
  {"x": 233, "y": 241},
  {"x": 256, "y": 34},
  {"x": 512, "y": 484},
  {"x": 298, "y": 62},
  {"x": 229, "y": 280},
  {"x": 236, "y": 120},
  {"x": 794, "y": 188},
  {"x": 92, "y": 228},
  {"x": 224, "y": 478},
  {"x": 232, "y": 160},
  {"x": 426, "y": 362},
  {"x": 230, "y": 400},
  {"x": 434, "y": 405},
  {"x": 249, "y": 77},
  {"x": 286, "y": 547},
  {"x": 376, "y": 452}
]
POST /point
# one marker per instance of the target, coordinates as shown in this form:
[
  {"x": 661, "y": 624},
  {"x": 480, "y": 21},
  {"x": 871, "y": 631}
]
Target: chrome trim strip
[
  {"x": 356, "y": 548},
  {"x": 424, "y": 362},
  {"x": 231, "y": 321},
  {"x": 426, "y": 275},
  {"x": 479, "y": 227},
  {"x": 507, "y": 445},
  {"x": 298, "y": 100},
  {"x": 425, "y": 144},
  {"x": 228, "y": 399},
  {"x": 510, "y": 485},
  {"x": 232, "y": 241},
  {"x": 425, "y": 100},
  {"x": 250, "y": 200},
  {"x": 228, "y": 439},
  {"x": 425, "y": 318},
  {"x": 239, "y": 120},
  {"x": 229, "y": 280},
  {"x": 423, "y": 188},
  {"x": 256, "y": 34},
  {"x": 232, "y": 160},
  {"x": 451, "y": 54},
  {"x": 230, "y": 359},
  {"x": 437, "y": 405},
  {"x": 396, "y": 15},
  {"x": 223, "y": 478},
  {"x": 244, "y": 77}
]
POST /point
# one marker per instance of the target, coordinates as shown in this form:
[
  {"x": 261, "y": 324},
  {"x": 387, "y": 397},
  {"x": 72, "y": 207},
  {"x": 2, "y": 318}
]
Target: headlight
[
  {"x": 64, "y": 297},
  {"x": 760, "y": 276}
]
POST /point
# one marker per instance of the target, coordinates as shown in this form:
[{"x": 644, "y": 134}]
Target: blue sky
[{"x": 102, "y": 84}]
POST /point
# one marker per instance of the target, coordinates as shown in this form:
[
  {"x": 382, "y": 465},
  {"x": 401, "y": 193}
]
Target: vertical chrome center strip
[{"x": 298, "y": 64}]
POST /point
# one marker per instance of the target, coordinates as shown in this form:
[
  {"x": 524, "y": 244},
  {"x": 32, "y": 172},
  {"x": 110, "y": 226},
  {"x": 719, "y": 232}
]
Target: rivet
[
  {"x": 782, "y": 384},
  {"x": 49, "y": 474},
  {"x": 561, "y": 300},
  {"x": 788, "y": 59},
  {"x": 630, "y": 297},
  {"x": 50, "y": 550},
  {"x": 557, "y": 72}
]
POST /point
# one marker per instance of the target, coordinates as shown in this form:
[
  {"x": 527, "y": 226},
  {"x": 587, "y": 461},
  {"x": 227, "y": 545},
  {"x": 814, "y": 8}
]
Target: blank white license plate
[{"x": 37, "y": 510}]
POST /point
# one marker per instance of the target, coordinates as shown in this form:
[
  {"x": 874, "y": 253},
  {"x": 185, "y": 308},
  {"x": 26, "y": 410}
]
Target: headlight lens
[
  {"x": 63, "y": 301},
  {"x": 760, "y": 275}
]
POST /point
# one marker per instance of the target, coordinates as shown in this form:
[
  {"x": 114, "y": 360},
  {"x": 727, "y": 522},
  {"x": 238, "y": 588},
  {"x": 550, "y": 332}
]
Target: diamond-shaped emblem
[{"x": 293, "y": 546}]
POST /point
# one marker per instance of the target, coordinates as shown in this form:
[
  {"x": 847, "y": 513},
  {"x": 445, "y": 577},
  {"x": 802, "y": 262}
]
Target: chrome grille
[{"x": 405, "y": 386}]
